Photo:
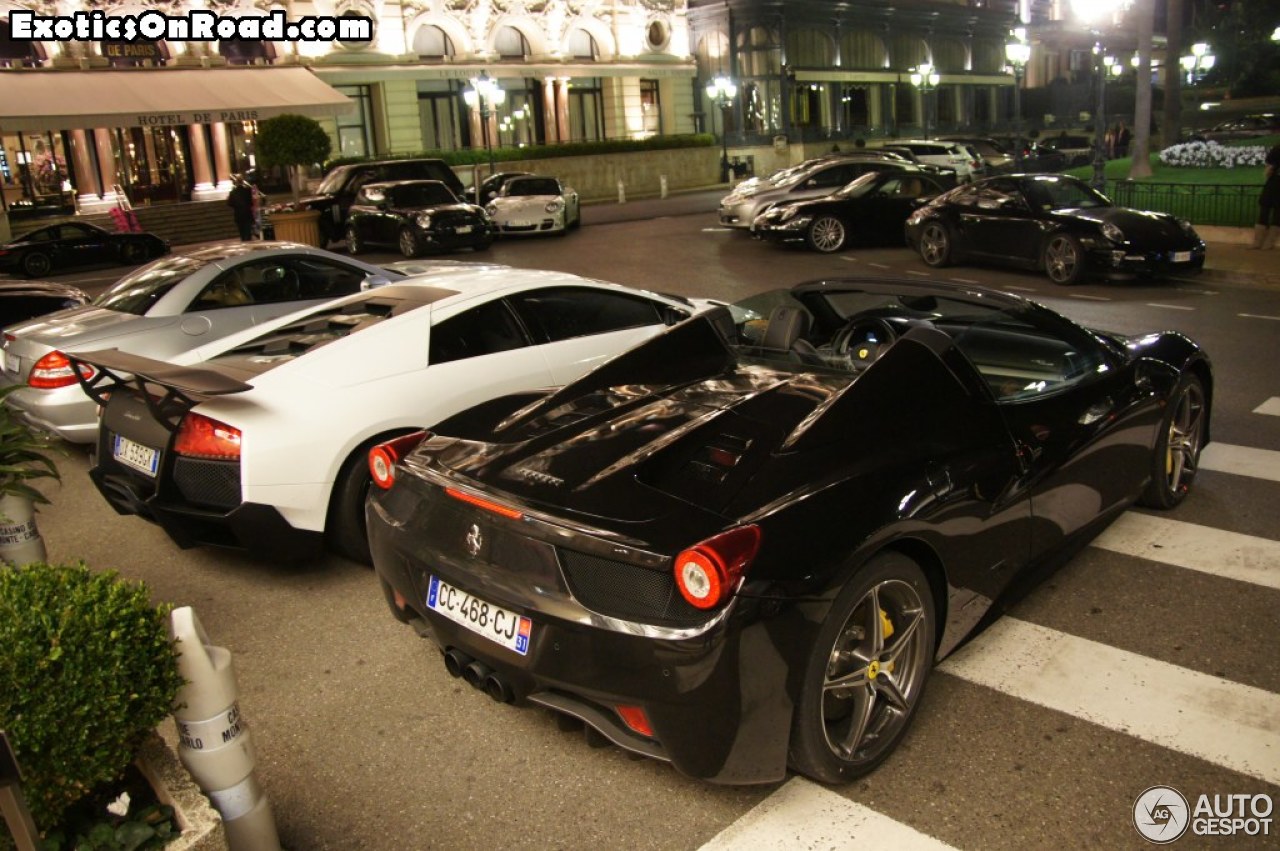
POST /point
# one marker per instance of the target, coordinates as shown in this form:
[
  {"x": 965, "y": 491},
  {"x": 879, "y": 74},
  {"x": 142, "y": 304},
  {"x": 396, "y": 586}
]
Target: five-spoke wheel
[
  {"x": 1064, "y": 259},
  {"x": 1177, "y": 451},
  {"x": 935, "y": 244}
]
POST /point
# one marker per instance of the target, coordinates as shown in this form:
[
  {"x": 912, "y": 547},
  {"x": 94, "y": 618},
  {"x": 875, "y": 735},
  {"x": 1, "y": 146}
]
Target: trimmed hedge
[
  {"x": 88, "y": 670},
  {"x": 539, "y": 152}
]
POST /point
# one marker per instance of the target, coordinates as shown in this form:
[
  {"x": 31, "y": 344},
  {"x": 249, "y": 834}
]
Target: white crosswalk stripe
[
  {"x": 1271, "y": 406},
  {"x": 1227, "y": 723},
  {"x": 1241, "y": 461},
  {"x": 804, "y": 815},
  {"x": 1228, "y": 554}
]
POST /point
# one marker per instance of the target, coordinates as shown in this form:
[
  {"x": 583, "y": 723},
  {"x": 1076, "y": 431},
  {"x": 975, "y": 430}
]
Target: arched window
[
  {"x": 909, "y": 51},
  {"x": 583, "y": 46},
  {"x": 862, "y": 49},
  {"x": 432, "y": 43},
  {"x": 238, "y": 52},
  {"x": 988, "y": 56},
  {"x": 510, "y": 43},
  {"x": 759, "y": 53},
  {"x": 950, "y": 55},
  {"x": 807, "y": 48},
  {"x": 712, "y": 55}
]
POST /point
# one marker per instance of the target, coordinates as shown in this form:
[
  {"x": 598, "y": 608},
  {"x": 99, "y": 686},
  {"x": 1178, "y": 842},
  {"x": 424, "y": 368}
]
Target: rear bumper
[{"x": 65, "y": 411}]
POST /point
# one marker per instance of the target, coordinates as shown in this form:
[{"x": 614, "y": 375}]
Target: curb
[{"x": 201, "y": 825}]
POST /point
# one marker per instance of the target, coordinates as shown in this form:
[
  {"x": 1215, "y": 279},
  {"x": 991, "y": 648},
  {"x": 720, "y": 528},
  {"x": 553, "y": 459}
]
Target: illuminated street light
[
  {"x": 1198, "y": 63},
  {"x": 1018, "y": 52},
  {"x": 926, "y": 79},
  {"x": 485, "y": 92},
  {"x": 722, "y": 91}
]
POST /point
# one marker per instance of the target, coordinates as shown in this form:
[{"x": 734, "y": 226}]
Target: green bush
[
  {"x": 88, "y": 670},
  {"x": 474, "y": 156}
]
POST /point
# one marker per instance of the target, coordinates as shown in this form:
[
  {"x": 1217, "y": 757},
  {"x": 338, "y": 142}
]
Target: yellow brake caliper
[{"x": 887, "y": 626}]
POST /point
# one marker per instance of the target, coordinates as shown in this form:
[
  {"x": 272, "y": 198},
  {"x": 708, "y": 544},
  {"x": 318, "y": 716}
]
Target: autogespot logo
[{"x": 1160, "y": 814}]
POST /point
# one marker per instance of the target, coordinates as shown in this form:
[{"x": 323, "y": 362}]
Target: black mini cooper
[{"x": 417, "y": 216}]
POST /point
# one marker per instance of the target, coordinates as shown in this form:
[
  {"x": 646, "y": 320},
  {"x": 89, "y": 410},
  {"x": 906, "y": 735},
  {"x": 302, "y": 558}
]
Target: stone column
[
  {"x": 221, "y": 159},
  {"x": 203, "y": 190},
  {"x": 562, "y": 109},
  {"x": 107, "y": 167},
  {"x": 88, "y": 187},
  {"x": 549, "y": 120}
]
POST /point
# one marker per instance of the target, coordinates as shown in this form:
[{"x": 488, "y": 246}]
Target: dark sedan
[
  {"x": 416, "y": 216},
  {"x": 869, "y": 210},
  {"x": 71, "y": 244},
  {"x": 21, "y": 300},
  {"x": 741, "y": 546},
  {"x": 1055, "y": 223}
]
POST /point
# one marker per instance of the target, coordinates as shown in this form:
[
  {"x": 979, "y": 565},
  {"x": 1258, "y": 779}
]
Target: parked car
[
  {"x": 1077, "y": 148},
  {"x": 337, "y": 191},
  {"x": 269, "y": 436},
  {"x": 1243, "y": 127},
  {"x": 70, "y": 245},
  {"x": 740, "y": 555},
  {"x": 490, "y": 186},
  {"x": 967, "y": 162},
  {"x": 1055, "y": 223},
  {"x": 417, "y": 216},
  {"x": 996, "y": 158},
  {"x": 20, "y": 300},
  {"x": 860, "y": 154},
  {"x": 870, "y": 210},
  {"x": 946, "y": 175},
  {"x": 1031, "y": 156},
  {"x": 528, "y": 204},
  {"x": 740, "y": 207},
  {"x": 164, "y": 309}
]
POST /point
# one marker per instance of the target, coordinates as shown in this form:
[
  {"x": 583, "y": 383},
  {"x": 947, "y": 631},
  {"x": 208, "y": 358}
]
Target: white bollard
[
  {"x": 622, "y": 192},
  {"x": 662, "y": 186},
  {"x": 213, "y": 739},
  {"x": 20, "y": 541}
]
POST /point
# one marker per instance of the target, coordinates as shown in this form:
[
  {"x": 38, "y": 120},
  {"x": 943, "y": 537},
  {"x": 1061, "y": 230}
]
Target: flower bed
[{"x": 1213, "y": 155}]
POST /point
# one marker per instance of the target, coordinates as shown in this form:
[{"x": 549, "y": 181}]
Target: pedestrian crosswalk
[{"x": 1197, "y": 713}]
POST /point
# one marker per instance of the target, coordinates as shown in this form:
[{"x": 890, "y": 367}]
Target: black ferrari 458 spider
[{"x": 741, "y": 546}]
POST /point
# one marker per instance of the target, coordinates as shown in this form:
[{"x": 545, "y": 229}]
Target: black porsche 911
[
  {"x": 742, "y": 545},
  {"x": 1055, "y": 223},
  {"x": 71, "y": 244},
  {"x": 416, "y": 216},
  {"x": 869, "y": 210}
]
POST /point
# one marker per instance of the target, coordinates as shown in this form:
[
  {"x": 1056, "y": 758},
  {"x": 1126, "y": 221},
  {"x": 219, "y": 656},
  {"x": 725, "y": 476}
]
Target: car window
[
  {"x": 830, "y": 177},
  {"x": 274, "y": 280},
  {"x": 1020, "y": 360},
  {"x": 421, "y": 195},
  {"x": 73, "y": 230},
  {"x": 43, "y": 235},
  {"x": 564, "y": 313},
  {"x": 532, "y": 186},
  {"x": 1057, "y": 193},
  {"x": 482, "y": 330},
  {"x": 137, "y": 293},
  {"x": 963, "y": 196},
  {"x": 333, "y": 181}
]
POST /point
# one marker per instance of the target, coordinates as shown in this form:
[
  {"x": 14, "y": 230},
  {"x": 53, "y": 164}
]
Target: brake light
[
  {"x": 54, "y": 370},
  {"x": 487, "y": 504},
  {"x": 706, "y": 573},
  {"x": 383, "y": 457},
  {"x": 204, "y": 437},
  {"x": 635, "y": 718}
]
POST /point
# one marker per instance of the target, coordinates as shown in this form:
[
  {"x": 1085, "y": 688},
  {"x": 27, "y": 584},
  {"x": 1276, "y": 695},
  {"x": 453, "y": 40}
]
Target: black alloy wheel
[
  {"x": 826, "y": 234},
  {"x": 1064, "y": 259},
  {"x": 1177, "y": 450},
  {"x": 866, "y": 672},
  {"x": 355, "y": 245},
  {"x": 935, "y": 245},
  {"x": 36, "y": 264},
  {"x": 409, "y": 243}
]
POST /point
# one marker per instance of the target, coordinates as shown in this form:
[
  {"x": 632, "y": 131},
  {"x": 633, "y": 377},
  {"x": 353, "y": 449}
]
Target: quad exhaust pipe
[{"x": 478, "y": 675}]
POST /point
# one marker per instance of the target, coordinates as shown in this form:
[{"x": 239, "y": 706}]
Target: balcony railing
[{"x": 1230, "y": 206}]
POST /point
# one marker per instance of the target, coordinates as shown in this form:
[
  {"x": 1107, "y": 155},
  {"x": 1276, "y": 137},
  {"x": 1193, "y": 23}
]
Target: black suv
[{"x": 338, "y": 189}]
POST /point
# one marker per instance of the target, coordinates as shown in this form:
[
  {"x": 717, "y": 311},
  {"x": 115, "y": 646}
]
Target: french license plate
[
  {"x": 463, "y": 229},
  {"x": 1182, "y": 257},
  {"x": 135, "y": 455},
  {"x": 9, "y": 363},
  {"x": 495, "y": 623}
]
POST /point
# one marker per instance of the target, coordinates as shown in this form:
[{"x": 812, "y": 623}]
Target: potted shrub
[
  {"x": 89, "y": 671},
  {"x": 23, "y": 457},
  {"x": 293, "y": 141}
]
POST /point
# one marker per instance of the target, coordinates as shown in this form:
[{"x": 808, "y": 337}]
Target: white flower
[{"x": 120, "y": 806}]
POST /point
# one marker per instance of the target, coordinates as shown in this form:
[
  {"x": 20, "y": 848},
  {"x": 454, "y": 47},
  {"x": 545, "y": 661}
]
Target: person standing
[
  {"x": 1268, "y": 226},
  {"x": 240, "y": 200}
]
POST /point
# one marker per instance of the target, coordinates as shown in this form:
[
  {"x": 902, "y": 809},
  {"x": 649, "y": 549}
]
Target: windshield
[
  {"x": 332, "y": 182},
  {"x": 858, "y": 187},
  {"x": 137, "y": 293},
  {"x": 421, "y": 195},
  {"x": 1057, "y": 193},
  {"x": 538, "y": 186}
]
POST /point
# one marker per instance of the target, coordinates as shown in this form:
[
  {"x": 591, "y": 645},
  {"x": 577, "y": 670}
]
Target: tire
[
  {"x": 936, "y": 246},
  {"x": 345, "y": 529},
  {"x": 826, "y": 234},
  {"x": 1177, "y": 451},
  {"x": 36, "y": 264},
  {"x": 577, "y": 221},
  {"x": 1064, "y": 259},
  {"x": 133, "y": 253},
  {"x": 409, "y": 245},
  {"x": 863, "y": 683},
  {"x": 355, "y": 245}
]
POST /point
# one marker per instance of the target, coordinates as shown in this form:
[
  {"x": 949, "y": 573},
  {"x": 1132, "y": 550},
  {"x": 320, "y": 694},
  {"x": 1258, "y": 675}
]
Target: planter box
[
  {"x": 302, "y": 226},
  {"x": 201, "y": 825}
]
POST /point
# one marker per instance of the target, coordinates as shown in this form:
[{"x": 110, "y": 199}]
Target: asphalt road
[{"x": 1149, "y": 659}]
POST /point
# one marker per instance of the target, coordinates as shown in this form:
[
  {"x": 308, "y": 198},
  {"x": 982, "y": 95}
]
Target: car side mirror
[{"x": 372, "y": 282}]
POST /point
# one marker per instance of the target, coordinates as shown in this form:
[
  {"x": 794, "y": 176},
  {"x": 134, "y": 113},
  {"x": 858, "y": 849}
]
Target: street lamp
[
  {"x": 1199, "y": 63},
  {"x": 1018, "y": 52},
  {"x": 721, "y": 92},
  {"x": 925, "y": 78},
  {"x": 485, "y": 92}
]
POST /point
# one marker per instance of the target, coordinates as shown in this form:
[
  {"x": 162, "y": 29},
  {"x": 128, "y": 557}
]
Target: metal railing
[{"x": 1229, "y": 206}]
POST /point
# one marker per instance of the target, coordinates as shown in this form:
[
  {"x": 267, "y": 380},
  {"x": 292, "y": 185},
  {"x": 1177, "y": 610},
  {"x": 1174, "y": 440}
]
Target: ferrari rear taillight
[
  {"x": 706, "y": 573},
  {"x": 383, "y": 457},
  {"x": 54, "y": 370},
  {"x": 204, "y": 437},
  {"x": 635, "y": 718}
]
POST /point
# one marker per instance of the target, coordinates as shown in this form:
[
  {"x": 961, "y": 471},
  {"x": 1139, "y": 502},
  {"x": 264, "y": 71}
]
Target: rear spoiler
[{"x": 183, "y": 386}]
